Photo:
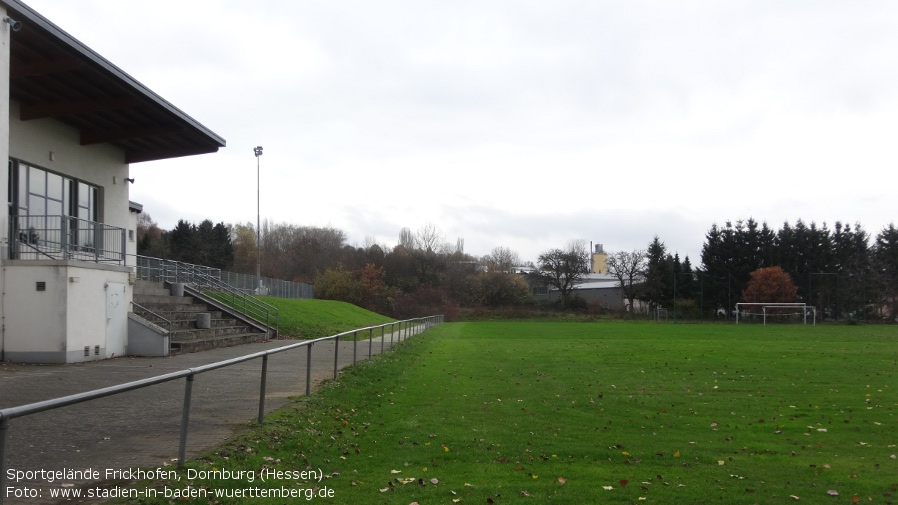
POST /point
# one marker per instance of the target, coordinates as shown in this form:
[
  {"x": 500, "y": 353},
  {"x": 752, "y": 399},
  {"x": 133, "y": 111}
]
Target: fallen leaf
[
  {"x": 562, "y": 480},
  {"x": 832, "y": 492},
  {"x": 395, "y": 471},
  {"x": 794, "y": 497},
  {"x": 434, "y": 481},
  {"x": 607, "y": 488},
  {"x": 624, "y": 482},
  {"x": 677, "y": 454},
  {"x": 721, "y": 462}
]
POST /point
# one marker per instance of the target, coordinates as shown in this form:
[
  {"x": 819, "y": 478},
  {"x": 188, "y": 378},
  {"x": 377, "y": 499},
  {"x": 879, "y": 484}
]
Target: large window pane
[
  {"x": 23, "y": 188},
  {"x": 37, "y": 205},
  {"x": 54, "y": 208},
  {"x": 83, "y": 195},
  {"x": 54, "y": 186},
  {"x": 37, "y": 183}
]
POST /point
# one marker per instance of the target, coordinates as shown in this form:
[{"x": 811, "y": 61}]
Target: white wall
[
  {"x": 55, "y": 325},
  {"x": 102, "y": 165}
]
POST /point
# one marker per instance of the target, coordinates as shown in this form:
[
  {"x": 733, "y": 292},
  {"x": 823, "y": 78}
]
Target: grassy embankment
[
  {"x": 593, "y": 413},
  {"x": 310, "y": 319}
]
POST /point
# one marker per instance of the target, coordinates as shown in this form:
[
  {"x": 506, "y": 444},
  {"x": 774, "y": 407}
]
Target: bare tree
[
  {"x": 629, "y": 269},
  {"x": 563, "y": 269},
  {"x": 430, "y": 238},
  {"x": 501, "y": 259},
  {"x": 406, "y": 239}
]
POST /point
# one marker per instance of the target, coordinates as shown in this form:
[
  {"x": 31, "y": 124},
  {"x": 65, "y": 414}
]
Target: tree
[
  {"x": 150, "y": 238},
  {"x": 658, "y": 274},
  {"x": 501, "y": 259},
  {"x": 885, "y": 270},
  {"x": 629, "y": 269},
  {"x": 562, "y": 269},
  {"x": 770, "y": 284}
]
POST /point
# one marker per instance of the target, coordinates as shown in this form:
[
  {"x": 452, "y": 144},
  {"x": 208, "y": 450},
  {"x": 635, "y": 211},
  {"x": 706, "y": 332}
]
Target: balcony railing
[{"x": 65, "y": 238}]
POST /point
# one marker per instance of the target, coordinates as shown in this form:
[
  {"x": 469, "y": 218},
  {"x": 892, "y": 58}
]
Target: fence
[
  {"x": 65, "y": 237},
  {"x": 161, "y": 269},
  {"x": 270, "y": 287},
  {"x": 402, "y": 330}
]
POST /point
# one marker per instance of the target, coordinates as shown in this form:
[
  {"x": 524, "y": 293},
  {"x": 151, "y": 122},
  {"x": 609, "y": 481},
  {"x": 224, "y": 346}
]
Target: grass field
[
  {"x": 309, "y": 318},
  {"x": 594, "y": 413}
]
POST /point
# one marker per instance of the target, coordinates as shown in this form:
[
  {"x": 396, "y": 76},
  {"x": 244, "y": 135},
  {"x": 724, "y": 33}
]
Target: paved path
[{"x": 141, "y": 428}]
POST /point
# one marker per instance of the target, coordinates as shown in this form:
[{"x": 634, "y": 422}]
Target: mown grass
[
  {"x": 309, "y": 318},
  {"x": 595, "y": 413}
]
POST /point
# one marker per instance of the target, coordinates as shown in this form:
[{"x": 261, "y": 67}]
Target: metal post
[
  {"x": 336, "y": 353},
  {"x": 308, "y": 369},
  {"x": 4, "y": 428},
  {"x": 185, "y": 421},
  {"x": 382, "y": 328},
  {"x": 262, "y": 388},
  {"x": 258, "y": 152},
  {"x": 370, "y": 341},
  {"x": 355, "y": 345},
  {"x": 391, "y": 335}
]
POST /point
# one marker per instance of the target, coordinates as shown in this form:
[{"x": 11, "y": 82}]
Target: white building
[{"x": 73, "y": 123}]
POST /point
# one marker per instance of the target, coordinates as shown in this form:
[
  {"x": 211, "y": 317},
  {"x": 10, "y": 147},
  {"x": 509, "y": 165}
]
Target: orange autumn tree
[{"x": 771, "y": 284}]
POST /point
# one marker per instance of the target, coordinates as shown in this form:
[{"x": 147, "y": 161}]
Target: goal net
[{"x": 783, "y": 312}]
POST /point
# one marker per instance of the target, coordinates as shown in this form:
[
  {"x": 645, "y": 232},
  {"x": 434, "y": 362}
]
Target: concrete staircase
[{"x": 183, "y": 311}]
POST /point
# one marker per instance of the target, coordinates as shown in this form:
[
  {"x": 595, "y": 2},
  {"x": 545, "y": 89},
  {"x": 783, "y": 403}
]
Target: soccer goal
[{"x": 802, "y": 310}]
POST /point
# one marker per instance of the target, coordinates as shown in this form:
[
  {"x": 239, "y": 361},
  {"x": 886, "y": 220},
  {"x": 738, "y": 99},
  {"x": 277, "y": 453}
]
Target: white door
[{"x": 116, "y": 319}]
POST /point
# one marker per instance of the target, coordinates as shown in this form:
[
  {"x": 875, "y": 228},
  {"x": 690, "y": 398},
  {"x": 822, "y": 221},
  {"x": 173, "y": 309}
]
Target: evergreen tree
[
  {"x": 658, "y": 275},
  {"x": 885, "y": 260}
]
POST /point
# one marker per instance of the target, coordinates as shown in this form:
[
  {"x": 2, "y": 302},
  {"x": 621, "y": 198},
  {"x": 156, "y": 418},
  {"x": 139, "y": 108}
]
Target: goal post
[{"x": 772, "y": 305}]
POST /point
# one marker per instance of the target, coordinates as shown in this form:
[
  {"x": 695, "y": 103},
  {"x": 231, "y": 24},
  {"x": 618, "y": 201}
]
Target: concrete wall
[
  {"x": 55, "y": 325},
  {"x": 5, "y": 31}
]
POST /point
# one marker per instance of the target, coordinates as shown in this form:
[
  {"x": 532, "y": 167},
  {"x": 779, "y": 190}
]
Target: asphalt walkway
[{"x": 141, "y": 428}]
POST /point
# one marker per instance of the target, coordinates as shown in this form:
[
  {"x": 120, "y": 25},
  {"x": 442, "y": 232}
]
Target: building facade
[{"x": 72, "y": 124}]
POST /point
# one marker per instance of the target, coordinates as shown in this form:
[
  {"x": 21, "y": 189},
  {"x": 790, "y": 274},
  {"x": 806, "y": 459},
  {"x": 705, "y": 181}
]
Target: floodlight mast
[{"x": 258, "y": 152}]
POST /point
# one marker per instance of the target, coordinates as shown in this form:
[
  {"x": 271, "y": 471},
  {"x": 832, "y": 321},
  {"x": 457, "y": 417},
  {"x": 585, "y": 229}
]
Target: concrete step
[
  {"x": 153, "y": 288},
  {"x": 221, "y": 322},
  {"x": 182, "y": 312},
  {"x": 200, "y": 334},
  {"x": 163, "y": 300},
  {"x": 204, "y": 344}
]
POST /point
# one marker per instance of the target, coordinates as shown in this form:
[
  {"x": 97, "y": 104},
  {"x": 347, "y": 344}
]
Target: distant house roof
[{"x": 53, "y": 75}]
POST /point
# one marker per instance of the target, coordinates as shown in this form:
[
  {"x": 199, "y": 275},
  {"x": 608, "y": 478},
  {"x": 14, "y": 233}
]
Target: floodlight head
[
  {"x": 15, "y": 25},
  {"x": 258, "y": 151}
]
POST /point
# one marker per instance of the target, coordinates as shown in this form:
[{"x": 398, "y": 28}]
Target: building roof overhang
[{"x": 53, "y": 75}]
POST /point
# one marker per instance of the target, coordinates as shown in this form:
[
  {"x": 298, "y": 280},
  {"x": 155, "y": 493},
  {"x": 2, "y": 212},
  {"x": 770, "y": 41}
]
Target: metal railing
[
  {"x": 65, "y": 238},
  {"x": 154, "y": 318},
  {"x": 412, "y": 327},
  {"x": 207, "y": 281}
]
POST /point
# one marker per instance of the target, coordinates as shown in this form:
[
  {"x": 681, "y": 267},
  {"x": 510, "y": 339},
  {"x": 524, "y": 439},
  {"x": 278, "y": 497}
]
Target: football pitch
[{"x": 595, "y": 413}]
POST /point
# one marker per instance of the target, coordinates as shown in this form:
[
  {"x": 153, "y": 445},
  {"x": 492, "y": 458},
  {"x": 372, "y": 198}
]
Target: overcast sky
[{"x": 517, "y": 123}]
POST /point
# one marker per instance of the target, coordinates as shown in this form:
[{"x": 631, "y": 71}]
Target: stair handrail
[
  {"x": 167, "y": 323},
  {"x": 204, "y": 278},
  {"x": 247, "y": 305}
]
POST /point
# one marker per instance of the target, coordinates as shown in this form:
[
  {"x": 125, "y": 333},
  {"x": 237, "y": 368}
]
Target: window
[
  {"x": 45, "y": 203},
  {"x": 38, "y": 192}
]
